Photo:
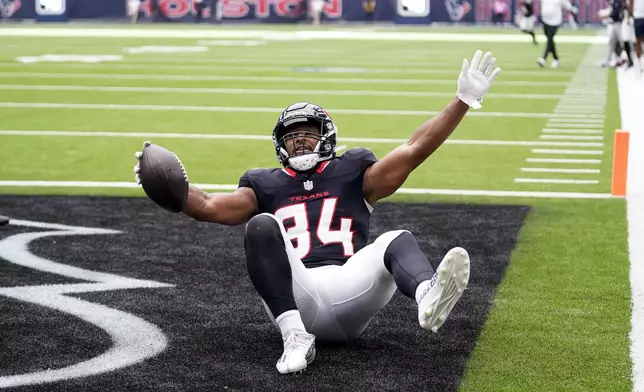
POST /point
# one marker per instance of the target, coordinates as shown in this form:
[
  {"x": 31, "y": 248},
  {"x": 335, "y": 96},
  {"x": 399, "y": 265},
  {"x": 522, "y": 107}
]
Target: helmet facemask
[{"x": 308, "y": 147}]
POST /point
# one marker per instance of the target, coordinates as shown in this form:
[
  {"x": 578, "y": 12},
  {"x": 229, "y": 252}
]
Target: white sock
[
  {"x": 422, "y": 286},
  {"x": 289, "y": 320}
]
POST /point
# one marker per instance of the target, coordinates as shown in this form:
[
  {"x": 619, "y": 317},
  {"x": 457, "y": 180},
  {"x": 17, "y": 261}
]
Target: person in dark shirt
[
  {"x": 307, "y": 224},
  {"x": 369, "y": 7}
]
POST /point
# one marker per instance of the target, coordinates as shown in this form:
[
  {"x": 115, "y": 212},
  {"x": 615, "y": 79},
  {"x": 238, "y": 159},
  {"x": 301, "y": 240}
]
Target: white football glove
[
  {"x": 476, "y": 78},
  {"x": 137, "y": 169}
]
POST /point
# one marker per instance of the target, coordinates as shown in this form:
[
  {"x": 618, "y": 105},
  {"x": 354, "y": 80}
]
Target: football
[{"x": 163, "y": 178}]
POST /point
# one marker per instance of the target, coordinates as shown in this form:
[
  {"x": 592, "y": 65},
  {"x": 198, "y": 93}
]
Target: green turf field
[{"x": 560, "y": 320}]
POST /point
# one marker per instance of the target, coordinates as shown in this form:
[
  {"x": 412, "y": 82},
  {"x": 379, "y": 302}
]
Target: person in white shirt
[
  {"x": 551, "y": 18},
  {"x": 317, "y": 6}
]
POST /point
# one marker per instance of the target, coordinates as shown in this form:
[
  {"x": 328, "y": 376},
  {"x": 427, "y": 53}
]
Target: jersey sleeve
[
  {"x": 362, "y": 157},
  {"x": 244, "y": 181},
  {"x": 250, "y": 179}
]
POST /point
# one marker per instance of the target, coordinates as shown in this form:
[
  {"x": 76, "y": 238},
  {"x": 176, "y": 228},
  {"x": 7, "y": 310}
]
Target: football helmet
[{"x": 305, "y": 113}]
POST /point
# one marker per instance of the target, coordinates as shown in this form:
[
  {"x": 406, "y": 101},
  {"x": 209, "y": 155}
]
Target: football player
[
  {"x": 307, "y": 225},
  {"x": 526, "y": 18}
]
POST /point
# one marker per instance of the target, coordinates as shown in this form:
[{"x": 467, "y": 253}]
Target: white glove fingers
[
  {"x": 137, "y": 179},
  {"x": 137, "y": 168},
  {"x": 466, "y": 65},
  {"x": 484, "y": 62},
  {"x": 146, "y": 143},
  {"x": 138, "y": 155},
  {"x": 494, "y": 74},
  {"x": 475, "y": 61},
  {"x": 490, "y": 68}
]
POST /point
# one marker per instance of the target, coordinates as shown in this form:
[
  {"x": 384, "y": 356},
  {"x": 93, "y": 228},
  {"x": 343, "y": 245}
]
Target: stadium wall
[{"x": 274, "y": 11}]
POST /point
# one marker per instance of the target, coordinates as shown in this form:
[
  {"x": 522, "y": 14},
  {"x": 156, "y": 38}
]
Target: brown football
[{"x": 163, "y": 178}]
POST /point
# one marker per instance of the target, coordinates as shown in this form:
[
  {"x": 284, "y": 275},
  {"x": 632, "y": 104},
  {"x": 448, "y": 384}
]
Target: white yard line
[
  {"x": 551, "y": 170},
  {"x": 267, "y": 79},
  {"x": 585, "y": 96},
  {"x": 582, "y": 120},
  {"x": 371, "y": 112},
  {"x": 406, "y": 191},
  {"x": 571, "y": 125},
  {"x": 281, "y": 35},
  {"x": 244, "y": 91},
  {"x": 284, "y": 68},
  {"x": 555, "y": 181},
  {"x": 563, "y": 160},
  {"x": 631, "y": 96},
  {"x": 565, "y": 152},
  {"x": 580, "y": 131},
  {"x": 571, "y": 137},
  {"x": 158, "y": 135}
]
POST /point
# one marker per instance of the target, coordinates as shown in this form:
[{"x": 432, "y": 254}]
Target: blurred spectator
[
  {"x": 526, "y": 18},
  {"x": 499, "y": 9},
  {"x": 316, "y": 8},
  {"x": 369, "y": 7},
  {"x": 638, "y": 22},
  {"x": 133, "y": 10},
  {"x": 200, "y": 5},
  {"x": 552, "y": 18}
]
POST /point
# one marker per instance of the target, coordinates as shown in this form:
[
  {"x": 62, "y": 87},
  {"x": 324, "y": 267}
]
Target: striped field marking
[
  {"x": 406, "y": 191},
  {"x": 563, "y": 160},
  {"x": 150, "y": 135},
  {"x": 575, "y": 131},
  {"x": 552, "y": 170},
  {"x": 243, "y": 91},
  {"x": 371, "y": 112},
  {"x": 555, "y": 181},
  {"x": 571, "y": 137},
  {"x": 268, "y": 79},
  {"x": 572, "y": 152}
]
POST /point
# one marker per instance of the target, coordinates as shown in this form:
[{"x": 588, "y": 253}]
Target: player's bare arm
[
  {"x": 225, "y": 208},
  {"x": 386, "y": 176}
]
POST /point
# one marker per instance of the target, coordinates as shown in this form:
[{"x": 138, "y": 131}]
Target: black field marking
[{"x": 219, "y": 336}]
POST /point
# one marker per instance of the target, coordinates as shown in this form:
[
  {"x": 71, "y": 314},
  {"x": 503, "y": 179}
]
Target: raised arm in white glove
[{"x": 476, "y": 78}]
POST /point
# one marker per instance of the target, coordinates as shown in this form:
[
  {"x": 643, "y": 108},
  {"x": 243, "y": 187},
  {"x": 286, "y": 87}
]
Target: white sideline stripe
[
  {"x": 587, "y": 110},
  {"x": 284, "y": 68},
  {"x": 57, "y": 105},
  {"x": 262, "y": 91},
  {"x": 268, "y": 34},
  {"x": 553, "y": 170},
  {"x": 631, "y": 95},
  {"x": 571, "y": 152},
  {"x": 589, "y": 92},
  {"x": 281, "y": 79},
  {"x": 562, "y": 160},
  {"x": 555, "y": 181},
  {"x": 571, "y": 137},
  {"x": 140, "y": 135},
  {"x": 568, "y": 125},
  {"x": 575, "y": 120},
  {"x": 559, "y": 130},
  {"x": 329, "y": 62},
  {"x": 580, "y": 107},
  {"x": 407, "y": 191},
  {"x": 580, "y": 99}
]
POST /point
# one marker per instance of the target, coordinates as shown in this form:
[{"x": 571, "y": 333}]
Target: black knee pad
[{"x": 262, "y": 228}]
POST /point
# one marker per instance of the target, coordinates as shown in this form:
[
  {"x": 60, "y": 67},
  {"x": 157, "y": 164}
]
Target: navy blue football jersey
[{"x": 325, "y": 215}]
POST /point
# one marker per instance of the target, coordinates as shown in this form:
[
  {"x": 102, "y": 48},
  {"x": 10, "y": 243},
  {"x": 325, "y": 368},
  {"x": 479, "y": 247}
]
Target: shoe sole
[
  {"x": 453, "y": 277},
  {"x": 310, "y": 358}
]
